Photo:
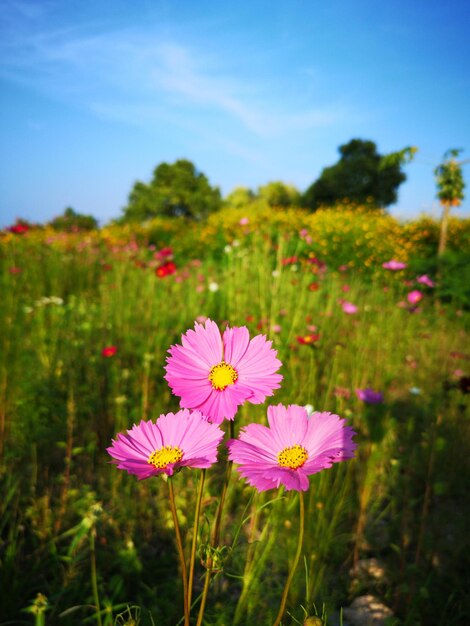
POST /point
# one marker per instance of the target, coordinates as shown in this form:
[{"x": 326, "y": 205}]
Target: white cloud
[{"x": 128, "y": 73}]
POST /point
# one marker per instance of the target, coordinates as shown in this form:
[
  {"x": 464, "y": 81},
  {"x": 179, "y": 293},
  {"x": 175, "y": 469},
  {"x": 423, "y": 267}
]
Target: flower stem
[
  {"x": 295, "y": 563},
  {"x": 179, "y": 545},
  {"x": 94, "y": 580},
  {"x": 197, "y": 515},
  {"x": 207, "y": 581},
  {"x": 215, "y": 534}
]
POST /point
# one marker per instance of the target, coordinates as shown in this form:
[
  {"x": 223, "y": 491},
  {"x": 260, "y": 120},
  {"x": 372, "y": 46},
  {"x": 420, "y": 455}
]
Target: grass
[{"x": 99, "y": 545}]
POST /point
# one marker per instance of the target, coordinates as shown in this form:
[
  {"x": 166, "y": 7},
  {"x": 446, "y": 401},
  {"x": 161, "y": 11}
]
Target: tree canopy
[
  {"x": 361, "y": 175},
  {"x": 176, "y": 190},
  {"x": 239, "y": 197},
  {"x": 450, "y": 186},
  {"x": 279, "y": 194},
  {"x": 70, "y": 221},
  {"x": 273, "y": 194},
  {"x": 449, "y": 179}
]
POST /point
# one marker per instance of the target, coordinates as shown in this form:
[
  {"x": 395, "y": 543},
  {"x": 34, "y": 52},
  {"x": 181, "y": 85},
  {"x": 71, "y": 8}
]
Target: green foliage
[
  {"x": 361, "y": 175},
  {"x": 239, "y": 197},
  {"x": 176, "y": 190},
  {"x": 454, "y": 269},
  {"x": 72, "y": 221},
  {"x": 449, "y": 179},
  {"x": 82, "y": 533},
  {"x": 278, "y": 194},
  {"x": 274, "y": 194}
]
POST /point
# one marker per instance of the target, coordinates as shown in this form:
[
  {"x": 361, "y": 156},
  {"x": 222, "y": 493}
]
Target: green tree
[
  {"x": 278, "y": 194},
  {"x": 450, "y": 186},
  {"x": 176, "y": 190},
  {"x": 71, "y": 221},
  {"x": 239, "y": 197},
  {"x": 361, "y": 175}
]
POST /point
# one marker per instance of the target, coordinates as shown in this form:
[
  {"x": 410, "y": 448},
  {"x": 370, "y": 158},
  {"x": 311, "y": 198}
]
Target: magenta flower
[
  {"x": 217, "y": 373},
  {"x": 182, "y": 439},
  {"x": 348, "y": 307},
  {"x": 370, "y": 396},
  {"x": 293, "y": 447},
  {"x": 425, "y": 280},
  {"x": 394, "y": 265},
  {"x": 414, "y": 296}
]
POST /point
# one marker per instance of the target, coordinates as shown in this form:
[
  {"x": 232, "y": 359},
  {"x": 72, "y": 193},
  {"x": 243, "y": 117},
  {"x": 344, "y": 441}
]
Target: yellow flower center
[
  {"x": 222, "y": 375},
  {"x": 166, "y": 455},
  {"x": 292, "y": 457}
]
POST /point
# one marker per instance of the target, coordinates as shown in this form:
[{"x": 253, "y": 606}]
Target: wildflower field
[{"x": 346, "y": 313}]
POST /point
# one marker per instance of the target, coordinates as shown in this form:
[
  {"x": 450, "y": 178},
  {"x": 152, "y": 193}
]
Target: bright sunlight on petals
[
  {"x": 175, "y": 440},
  {"x": 215, "y": 373},
  {"x": 291, "y": 448}
]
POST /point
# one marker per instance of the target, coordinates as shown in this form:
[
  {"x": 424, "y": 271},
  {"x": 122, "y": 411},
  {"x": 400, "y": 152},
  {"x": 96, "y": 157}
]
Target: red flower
[
  {"x": 109, "y": 351},
  {"x": 261, "y": 324},
  {"x": 308, "y": 340},
  {"x": 458, "y": 355},
  {"x": 19, "y": 228},
  {"x": 164, "y": 254},
  {"x": 342, "y": 392},
  {"x": 290, "y": 260},
  {"x": 316, "y": 261},
  {"x": 166, "y": 269},
  {"x": 314, "y": 286}
]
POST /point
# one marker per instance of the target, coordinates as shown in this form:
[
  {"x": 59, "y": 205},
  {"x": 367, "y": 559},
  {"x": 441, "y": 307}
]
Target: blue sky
[{"x": 95, "y": 94}]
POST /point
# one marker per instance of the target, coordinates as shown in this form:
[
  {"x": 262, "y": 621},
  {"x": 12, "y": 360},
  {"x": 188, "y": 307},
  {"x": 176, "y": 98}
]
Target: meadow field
[{"x": 86, "y": 322}]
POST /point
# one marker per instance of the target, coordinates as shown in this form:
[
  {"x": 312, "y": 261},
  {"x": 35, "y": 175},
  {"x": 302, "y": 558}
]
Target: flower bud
[{"x": 313, "y": 621}]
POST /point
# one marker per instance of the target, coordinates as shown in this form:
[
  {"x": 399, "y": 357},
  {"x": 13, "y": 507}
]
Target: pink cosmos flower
[
  {"x": 348, "y": 307},
  {"x": 394, "y": 265},
  {"x": 175, "y": 440},
  {"x": 244, "y": 221},
  {"x": 414, "y": 296},
  {"x": 425, "y": 280},
  {"x": 217, "y": 373},
  {"x": 369, "y": 396},
  {"x": 293, "y": 447}
]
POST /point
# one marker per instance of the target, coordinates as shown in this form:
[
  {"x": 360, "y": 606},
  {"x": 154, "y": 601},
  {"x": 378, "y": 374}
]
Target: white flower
[
  {"x": 228, "y": 249},
  {"x": 276, "y": 273},
  {"x": 213, "y": 287},
  {"x": 309, "y": 409}
]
